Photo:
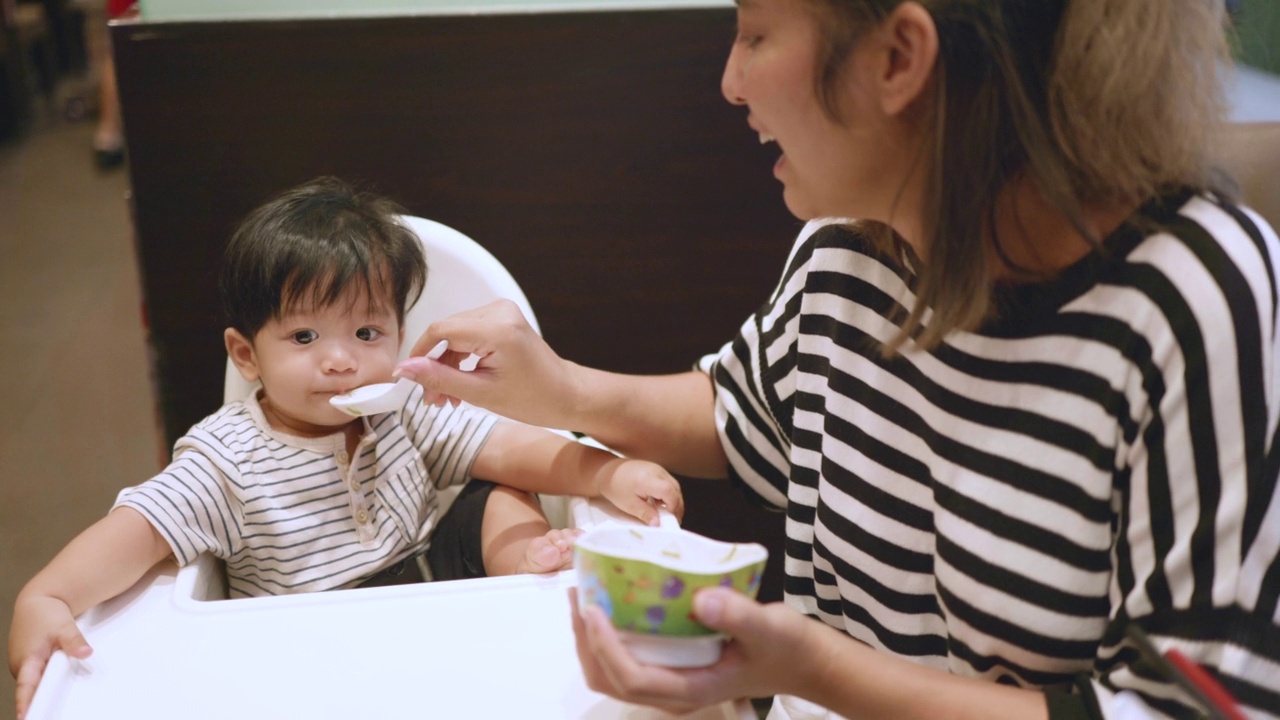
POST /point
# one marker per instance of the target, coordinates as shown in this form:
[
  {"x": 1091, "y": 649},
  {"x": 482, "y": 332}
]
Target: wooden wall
[{"x": 591, "y": 152}]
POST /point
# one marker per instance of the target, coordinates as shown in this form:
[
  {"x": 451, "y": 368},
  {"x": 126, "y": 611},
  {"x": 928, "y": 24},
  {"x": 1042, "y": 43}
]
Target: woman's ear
[
  {"x": 240, "y": 350},
  {"x": 909, "y": 54}
]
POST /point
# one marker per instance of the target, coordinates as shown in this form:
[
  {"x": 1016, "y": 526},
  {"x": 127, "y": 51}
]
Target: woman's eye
[
  {"x": 305, "y": 337},
  {"x": 368, "y": 334},
  {"x": 748, "y": 39}
]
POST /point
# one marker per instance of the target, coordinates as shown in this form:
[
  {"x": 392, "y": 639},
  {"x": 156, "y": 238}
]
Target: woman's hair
[
  {"x": 1096, "y": 101},
  {"x": 317, "y": 244}
]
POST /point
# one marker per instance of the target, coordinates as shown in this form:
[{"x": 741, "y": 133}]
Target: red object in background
[
  {"x": 118, "y": 8},
  {"x": 1174, "y": 666},
  {"x": 1221, "y": 699}
]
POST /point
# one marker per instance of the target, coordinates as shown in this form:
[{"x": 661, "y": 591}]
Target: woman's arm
[
  {"x": 665, "y": 419},
  {"x": 100, "y": 563}
]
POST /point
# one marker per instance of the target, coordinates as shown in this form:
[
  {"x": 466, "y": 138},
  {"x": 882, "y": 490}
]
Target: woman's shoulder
[
  {"x": 844, "y": 245},
  {"x": 1205, "y": 260},
  {"x": 1204, "y": 218},
  {"x": 834, "y": 232}
]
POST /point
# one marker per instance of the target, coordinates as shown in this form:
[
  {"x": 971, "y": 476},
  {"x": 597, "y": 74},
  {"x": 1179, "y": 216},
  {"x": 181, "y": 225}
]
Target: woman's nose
[{"x": 731, "y": 80}]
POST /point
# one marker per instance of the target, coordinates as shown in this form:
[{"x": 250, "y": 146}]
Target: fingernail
[
  {"x": 708, "y": 606},
  {"x": 596, "y": 617}
]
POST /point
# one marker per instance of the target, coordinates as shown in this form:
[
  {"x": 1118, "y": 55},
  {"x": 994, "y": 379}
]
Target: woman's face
[{"x": 827, "y": 168}]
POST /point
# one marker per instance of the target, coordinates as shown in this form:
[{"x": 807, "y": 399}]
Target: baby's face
[{"x": 313, "y": 354}]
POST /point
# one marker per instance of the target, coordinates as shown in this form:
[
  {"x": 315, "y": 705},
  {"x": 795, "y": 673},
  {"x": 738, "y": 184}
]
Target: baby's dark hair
[{"x": 309, "y": 246}]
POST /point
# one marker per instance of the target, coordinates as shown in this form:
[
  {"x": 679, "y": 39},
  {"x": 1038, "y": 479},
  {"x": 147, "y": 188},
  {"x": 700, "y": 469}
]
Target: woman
[{"x": 1022, "y": 408}]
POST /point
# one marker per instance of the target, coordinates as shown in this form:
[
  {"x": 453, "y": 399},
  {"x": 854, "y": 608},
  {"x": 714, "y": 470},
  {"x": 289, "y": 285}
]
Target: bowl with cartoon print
[{"x": 644, "y": 579}]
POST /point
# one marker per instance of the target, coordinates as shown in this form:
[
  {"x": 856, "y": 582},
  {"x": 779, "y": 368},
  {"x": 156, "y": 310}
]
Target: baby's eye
[
  {"x": 305, "y": 337},
  {"x": 368, "y": 334}
]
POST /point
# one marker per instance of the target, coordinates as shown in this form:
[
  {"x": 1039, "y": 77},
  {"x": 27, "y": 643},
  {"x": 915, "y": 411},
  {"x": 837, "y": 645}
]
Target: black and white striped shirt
[
  {"x": 291, "y": 514},
  {"x": 1005, "y": 505}
]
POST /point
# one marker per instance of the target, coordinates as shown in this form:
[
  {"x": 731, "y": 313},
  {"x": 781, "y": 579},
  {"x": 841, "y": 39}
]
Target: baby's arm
[
  {"x": 100, "y": 563},
  {"x": 536, "y": 460}
]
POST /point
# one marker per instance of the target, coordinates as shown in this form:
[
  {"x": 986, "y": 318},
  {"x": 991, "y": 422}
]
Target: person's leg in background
[{"x": 108, "y": 138}]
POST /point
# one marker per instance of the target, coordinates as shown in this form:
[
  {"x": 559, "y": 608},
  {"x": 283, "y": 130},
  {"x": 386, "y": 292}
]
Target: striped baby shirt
[{"x": 291, "y": 514}]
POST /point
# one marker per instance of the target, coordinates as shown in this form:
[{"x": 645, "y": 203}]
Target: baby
[{"x": 294, "y": 494}]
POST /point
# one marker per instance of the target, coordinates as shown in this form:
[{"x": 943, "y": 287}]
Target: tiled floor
[{"x": 76, "y": 418}]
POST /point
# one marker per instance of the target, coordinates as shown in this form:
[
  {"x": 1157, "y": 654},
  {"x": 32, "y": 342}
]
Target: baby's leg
[{"x": 515, "y": 536}]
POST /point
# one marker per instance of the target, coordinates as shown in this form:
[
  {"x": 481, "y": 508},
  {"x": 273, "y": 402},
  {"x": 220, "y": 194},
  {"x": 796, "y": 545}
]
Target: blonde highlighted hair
[{"x": 1096, "y": 101}]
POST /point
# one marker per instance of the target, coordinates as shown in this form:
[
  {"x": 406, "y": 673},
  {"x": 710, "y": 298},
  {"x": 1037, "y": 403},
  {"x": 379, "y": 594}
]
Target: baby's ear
[{"x": 240, "y": 350}]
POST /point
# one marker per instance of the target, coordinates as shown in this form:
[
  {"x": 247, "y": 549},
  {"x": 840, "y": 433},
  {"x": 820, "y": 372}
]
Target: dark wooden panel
[{"x": 592, "y": 153}]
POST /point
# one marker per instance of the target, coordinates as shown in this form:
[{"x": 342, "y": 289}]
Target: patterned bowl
[{"x": 644, "y": 579}]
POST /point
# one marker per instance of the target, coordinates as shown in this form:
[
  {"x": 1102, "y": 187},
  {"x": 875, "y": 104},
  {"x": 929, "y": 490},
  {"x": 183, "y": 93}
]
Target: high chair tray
[{"x": 490, "y": 648}]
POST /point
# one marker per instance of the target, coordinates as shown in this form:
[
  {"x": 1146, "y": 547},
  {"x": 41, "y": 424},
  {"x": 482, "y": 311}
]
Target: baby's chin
[
  {"x": 335, "y": 421},
  {"x": 321, "y": 423}
]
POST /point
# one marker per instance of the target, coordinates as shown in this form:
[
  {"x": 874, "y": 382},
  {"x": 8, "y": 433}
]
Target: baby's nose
[{"x": 339, "y": 359}]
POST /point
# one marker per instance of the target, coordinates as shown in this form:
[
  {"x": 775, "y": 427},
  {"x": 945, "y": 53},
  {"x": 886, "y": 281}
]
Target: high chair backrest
[{"x": 460, "y": 275}]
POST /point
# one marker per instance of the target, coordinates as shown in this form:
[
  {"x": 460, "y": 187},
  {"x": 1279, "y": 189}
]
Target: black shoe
[{"x": 109, "y": 158}]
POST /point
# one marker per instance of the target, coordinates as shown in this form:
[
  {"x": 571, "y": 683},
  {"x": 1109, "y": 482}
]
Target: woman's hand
[
  {"x": 771, "y": 650},
  {"x": 41, "y": 625},
  {"x": 668, "y": 419},
  {"x": 518, "y": 375},
  {"x": 775, "y": 650}
]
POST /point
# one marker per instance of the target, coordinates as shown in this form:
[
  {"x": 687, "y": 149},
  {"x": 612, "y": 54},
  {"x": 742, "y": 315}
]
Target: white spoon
[
  {"x": 667, "y": 520},
  {"x": 381, "y": 397}
]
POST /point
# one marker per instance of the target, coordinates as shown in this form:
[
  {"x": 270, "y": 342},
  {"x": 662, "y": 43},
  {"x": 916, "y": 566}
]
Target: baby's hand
[
  {"x": 549, "y": 553},
  {"x": 640, "y": 488},
  {"x": 40, "y": 626}
]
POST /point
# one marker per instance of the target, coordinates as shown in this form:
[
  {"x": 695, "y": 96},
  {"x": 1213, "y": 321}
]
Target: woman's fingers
[
  {"x": 591, "y": 670},
  {"x": 517, "y": 374},
  {"x": 610, "y": 668},
  {"x": 472, "y": 331}
]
